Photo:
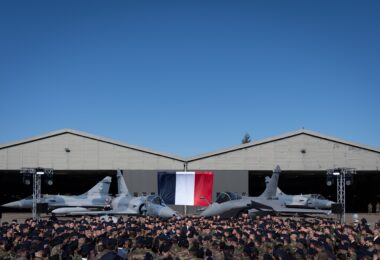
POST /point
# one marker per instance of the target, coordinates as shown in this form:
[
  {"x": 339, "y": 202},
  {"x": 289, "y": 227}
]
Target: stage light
[
  {"x": 349, "y": 179},
  {"x": 329, "y": 180},
  {"x": 40, "y": 171},
  {"x": 49, "y": 180},
  {"x": 48, "y": 177},
  {"x": 27, "y": 178}
]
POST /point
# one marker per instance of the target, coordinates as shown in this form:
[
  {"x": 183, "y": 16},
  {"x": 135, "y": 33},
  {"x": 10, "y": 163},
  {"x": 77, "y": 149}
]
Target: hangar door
[
  {"x": 365, "y": 188},
  {"x": 64, "y": 183}
]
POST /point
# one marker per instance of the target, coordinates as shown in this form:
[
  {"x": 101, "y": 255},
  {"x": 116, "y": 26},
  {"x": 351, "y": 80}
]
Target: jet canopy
[
  {"x": 318, "y": 196},
  {"x": 156, "y": 200},
  {"x": 227, "y": 196}
]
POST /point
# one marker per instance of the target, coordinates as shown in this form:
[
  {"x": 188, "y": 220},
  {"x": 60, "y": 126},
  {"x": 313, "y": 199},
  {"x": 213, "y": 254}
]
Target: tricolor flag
[{"x": 186, "y": 188}]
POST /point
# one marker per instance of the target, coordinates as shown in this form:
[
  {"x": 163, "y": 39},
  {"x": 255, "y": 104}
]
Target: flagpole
[{"x": 185, "y": 206}]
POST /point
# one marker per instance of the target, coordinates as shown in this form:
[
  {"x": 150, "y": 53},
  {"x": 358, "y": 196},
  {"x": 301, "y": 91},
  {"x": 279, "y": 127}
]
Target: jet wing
[
  {"x": 99, "y": 212},
  {"x": 233, "y": 212},
  {"x": 270, "y": 206},
  {"x": 304, "y": 211},
  {"x": 227, "y": 209},
  {"x": 164, "y": 212},
  {"x": 243, "y": 207}
]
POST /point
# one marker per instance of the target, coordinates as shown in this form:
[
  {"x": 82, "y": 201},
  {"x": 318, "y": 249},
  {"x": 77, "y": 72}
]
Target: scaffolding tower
[{"x": 344, "y": 177}]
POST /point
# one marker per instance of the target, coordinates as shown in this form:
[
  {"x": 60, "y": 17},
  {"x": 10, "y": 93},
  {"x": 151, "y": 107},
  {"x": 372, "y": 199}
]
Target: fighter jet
[
  {"x": 126, "y": 204},
  {"x": 96, "y": 197},
  {"x": 230, "y": 204},
  {"x": 311, "y": 201}
]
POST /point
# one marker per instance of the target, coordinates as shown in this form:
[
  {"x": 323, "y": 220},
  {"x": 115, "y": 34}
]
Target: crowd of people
[{"x": 140, "y": 237}]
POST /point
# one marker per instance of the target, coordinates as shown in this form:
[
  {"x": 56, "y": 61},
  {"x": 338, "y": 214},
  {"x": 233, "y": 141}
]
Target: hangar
[{"x": 80, "y": 160}]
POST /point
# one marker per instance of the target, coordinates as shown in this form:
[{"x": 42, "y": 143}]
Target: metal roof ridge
[
  {"x": 191, "y": 158},
  {"x": 91, "y": 136},
  {"x": 279, "y": 137}
]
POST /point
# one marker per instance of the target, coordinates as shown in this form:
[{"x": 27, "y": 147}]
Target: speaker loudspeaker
[
  {"x": 42, "y": 208},
  {"x": 337, "y": 208}
]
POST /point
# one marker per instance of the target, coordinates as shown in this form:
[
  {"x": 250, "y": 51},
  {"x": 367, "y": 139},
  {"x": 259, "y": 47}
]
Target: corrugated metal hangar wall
[{"x": 80, "y": 160}]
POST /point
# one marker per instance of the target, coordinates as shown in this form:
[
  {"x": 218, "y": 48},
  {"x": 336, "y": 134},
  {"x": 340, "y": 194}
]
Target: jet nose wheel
[{"x": 142, "y": 209}]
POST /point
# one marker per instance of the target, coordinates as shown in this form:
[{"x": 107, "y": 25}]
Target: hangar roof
[
  {"x": 281, "y": 137},
  {"x": 93, "y": 137},
  {"x": 194, "y": 158}
]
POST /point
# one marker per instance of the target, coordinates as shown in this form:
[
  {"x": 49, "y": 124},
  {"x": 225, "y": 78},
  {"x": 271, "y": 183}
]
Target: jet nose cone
[
  {"x": 168, "y": 213},
  {"x": 207, "y": 212},
  {"x": 14, "y": 204}
]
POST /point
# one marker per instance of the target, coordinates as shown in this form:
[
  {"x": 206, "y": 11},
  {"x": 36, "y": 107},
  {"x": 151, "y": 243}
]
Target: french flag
[{"x": 186, "y": 188}]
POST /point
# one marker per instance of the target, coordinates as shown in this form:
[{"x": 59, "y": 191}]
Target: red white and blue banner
[{"x": 186, "y": 188}]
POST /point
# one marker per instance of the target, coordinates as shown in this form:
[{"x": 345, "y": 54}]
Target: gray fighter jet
[
  {"x": 310, "y": 201},
  {"x": 126, "y": 204},
  {"x": 230, "y": 204},
  {"x": 96, "y": 197}
]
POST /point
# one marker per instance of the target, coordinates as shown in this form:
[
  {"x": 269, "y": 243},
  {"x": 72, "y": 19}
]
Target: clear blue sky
[{"x": 189, "y": 77}]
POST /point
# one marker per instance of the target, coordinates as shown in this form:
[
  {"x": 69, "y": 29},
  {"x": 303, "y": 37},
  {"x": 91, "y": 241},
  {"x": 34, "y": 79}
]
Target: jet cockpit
[
  {"x": 227, "y": 196},
  {"x": 156, "y": 200}
]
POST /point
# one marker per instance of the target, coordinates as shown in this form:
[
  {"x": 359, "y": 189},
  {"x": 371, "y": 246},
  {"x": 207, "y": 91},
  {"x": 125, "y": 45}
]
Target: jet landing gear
[{"x": 142, "y": 209}]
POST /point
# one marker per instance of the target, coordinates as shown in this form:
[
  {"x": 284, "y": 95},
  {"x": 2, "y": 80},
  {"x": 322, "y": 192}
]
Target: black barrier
[
  {"x": 42, "y": 208},
  {"x": 337, "y": 208}
]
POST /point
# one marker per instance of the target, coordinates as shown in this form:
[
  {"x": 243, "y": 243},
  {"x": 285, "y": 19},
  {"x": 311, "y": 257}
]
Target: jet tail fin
[
  {"x": 272, "y": 184},
  {"x": 121, "y": 185},
  {"x": 279, "y": 192},
  {"x": 101, "y": 188}
]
